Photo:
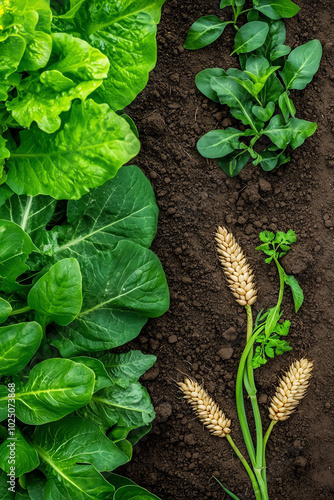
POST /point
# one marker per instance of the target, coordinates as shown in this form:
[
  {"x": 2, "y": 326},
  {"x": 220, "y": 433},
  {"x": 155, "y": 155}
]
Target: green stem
[
  {"x": 281, "y": 273},
  {"x": 265, "y": 439},
  {"x": 258, "y": 100},
  {"x": 247, "y": 467},
  {"x": 251, "y": 390},
  {"x": 20, "y": 311}
]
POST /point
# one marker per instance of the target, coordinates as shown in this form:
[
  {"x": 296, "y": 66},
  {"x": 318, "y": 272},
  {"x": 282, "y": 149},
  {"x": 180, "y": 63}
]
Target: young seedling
[
  {"x": 266, "y": 331},
  {"x": 258, "y": 94}
]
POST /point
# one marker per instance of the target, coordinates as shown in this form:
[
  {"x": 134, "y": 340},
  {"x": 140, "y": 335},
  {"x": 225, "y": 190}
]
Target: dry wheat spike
[
  {"x": 205, "y": 408},
  {"x": 291, "y": 389},
  {"x": 239, "y": 274}
]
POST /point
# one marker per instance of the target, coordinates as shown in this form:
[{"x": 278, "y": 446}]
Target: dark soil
[{"x": 178, "y": 458}]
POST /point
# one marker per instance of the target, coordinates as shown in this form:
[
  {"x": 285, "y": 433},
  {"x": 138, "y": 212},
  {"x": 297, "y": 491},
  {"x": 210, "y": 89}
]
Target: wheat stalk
[
  {"x": 291, "y": 389},
  {"x": 239, "y": 274},
  {"x": 205, "y": 408}
]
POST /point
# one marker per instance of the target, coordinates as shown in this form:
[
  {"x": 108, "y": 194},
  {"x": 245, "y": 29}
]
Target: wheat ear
[
  {"x": 239, "y": 274},
  {"x": 205, "y": 408},
  {"x": 291, "y": 389}
]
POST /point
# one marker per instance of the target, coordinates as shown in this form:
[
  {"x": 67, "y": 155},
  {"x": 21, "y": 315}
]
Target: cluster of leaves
[
  {"x": 76, "y": 278},
  {"x": 276, "y": 246},
  {"x": 49, "y": 65},
  {"x": 258, "y": 94},
  {"x": 71, "y": 306}
]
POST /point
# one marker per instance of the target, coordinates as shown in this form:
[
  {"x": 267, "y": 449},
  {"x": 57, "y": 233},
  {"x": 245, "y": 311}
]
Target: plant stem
[
  {"x": 265, "y": 439},
  {"x": 247, "y": 467},
  {"x": 281, "y": 273},
  {"x": 20, "y": 311}
]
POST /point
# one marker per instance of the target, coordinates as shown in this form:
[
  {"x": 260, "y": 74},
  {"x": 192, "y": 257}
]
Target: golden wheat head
[
  {"x": 291, "y": 389},
  {"x": 240, "y": 276},
  {"x": 205, "y": 408}
]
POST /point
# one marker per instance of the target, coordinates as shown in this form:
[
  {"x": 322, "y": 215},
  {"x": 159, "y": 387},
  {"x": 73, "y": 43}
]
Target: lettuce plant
[
  {"x": 49, "y": 66},
  {"x": 258, "y": 94}
]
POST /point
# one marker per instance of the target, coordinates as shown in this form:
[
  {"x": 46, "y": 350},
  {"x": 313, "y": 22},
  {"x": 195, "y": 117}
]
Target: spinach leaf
[
  {"x": 26, "y": 457},
  {"x": 73, "y": 452},
  {"x": 126, "y": 368},
  {"x": 56, "y": 387},
  {"x": 302, "y": 64},
  {"x": 57, "y": 296},
  {"x": 89, "y": 149},
  {"x": 5, "y": 309},
  {"x": 276, "y": 9},
  {"x": 122, "y": 289},
  {"x": 250, "y": 36},
  {"x": 133, "y": 493},
  {"x": 15, "y": 246},
  {"x": 18, "y": 345},
  {"x": 203, "y": 32}
]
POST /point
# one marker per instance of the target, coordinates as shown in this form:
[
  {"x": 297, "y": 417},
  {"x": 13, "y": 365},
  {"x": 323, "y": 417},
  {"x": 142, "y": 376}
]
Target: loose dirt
[{"x": 204, "y": 332}]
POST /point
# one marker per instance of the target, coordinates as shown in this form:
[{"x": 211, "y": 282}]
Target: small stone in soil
[
  {"x": 172, "y": 339},
  {"x": 152, "y": 373},
  {"x": 230, "y": 334},
  {"x": 225, "y": 352},
  {"x": 190, "y": 439},
  {"x": 163, "y": 411}
]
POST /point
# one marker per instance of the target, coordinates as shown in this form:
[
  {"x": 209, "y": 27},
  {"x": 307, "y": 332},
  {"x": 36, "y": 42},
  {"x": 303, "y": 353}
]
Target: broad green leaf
[
  {"x": 5, "y": 310},
  {"x": 57, "y": 295},
  {"x": 256, "y": 66},
  {"x": 301, "y": 65},
  {"x": 11, "y": 52},
  {"x": 78, "y": 58},
  {"x": 73, "y": 451},
  {"x": 297, "y": 292},
  {"x": 19, "y": 342},
  {"x": 280, "y": 51},
  {"x": 75, "y": 6},
  {"x": 15, "y": 246},
  {"x": 276, "y": 36},
  {"x": 43, "y": 105},
  {"x": 129, "y": 407},
  {"x": 294, "y": 132},
  {"x": 123, "y": 208},
  {"x": 272, "y": 320},
  {"x": 271, "y": 90},
  {"x": 250, "y": 36},
  {"x": 35, "y": 484},
  {"x": 133, "y": 493},
  {"x": 232, "y": 94},
  {"x": 102, "y": 378},
  {"x": 7, "y": 491},
  {"x": 203, "y": 79},
  {"x": 136, "y": 434},
  {"x": 56, "y": 387},
  {"x": 121, "y": 289},
  {"x": 264, "y": 114},
  {"x": 30, "y": 213},
  {"x": 56, "y": 80},
  {"x": 37, "y": 52},
  {"x": 286, "y": 106},
  {"x": 23, "y": 457},
  {"x": 204, "y": 31},
  {"x": 4, "y": 152},
  {"x": 233, "y": 163},
  {"x": 276, "y": 9},
  {"x": 226, "y": 3},
  {"x": 126, "y": 33},
  {"x": 126, "y": 368},
  {"x": 90, "y": 148},
  {"x": 218, "y": 143},
  {"x": 271, "y": 159}
]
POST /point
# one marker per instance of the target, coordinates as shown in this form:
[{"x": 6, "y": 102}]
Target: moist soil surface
[{"x": 204, "y": 332}]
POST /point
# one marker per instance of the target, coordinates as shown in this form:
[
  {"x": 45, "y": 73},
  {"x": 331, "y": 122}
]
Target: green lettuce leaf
[{"x": 92, "y": 145}]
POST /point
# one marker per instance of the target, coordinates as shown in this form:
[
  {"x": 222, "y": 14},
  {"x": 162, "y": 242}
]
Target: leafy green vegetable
[
  {"x": 203, "y": 32},
  {"x": 5, "y": 310},
  {"x": 301, "y": 65},
  {"x": 121, "y": 290},
  {"x": 126, "y": 368},
  {"x": 90, "y": 148},
  {"x": 18, "y": 345},
  {"x": 73, "y": 452},
  {"x": 57, "y": 296},
  {"x": 56, "y": 387},
  {"x": 255, "y": 94},
  {"x": 26, "y": 457},
  {"x": 15, "y": 246}
]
